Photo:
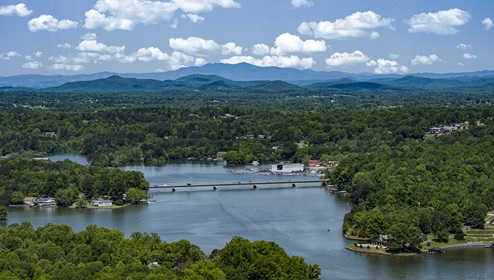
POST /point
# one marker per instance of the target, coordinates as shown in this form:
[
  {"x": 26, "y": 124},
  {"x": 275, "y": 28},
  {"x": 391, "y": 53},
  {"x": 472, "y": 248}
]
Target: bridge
[{"x": 254, "y": 184}]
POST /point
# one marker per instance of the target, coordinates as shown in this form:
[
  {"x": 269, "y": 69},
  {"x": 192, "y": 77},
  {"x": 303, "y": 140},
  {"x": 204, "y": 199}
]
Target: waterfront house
[
  {"x": 101, "y": 202},
  {"x": 45, "y": 201},
  {"x": 314, "y": 162},
  {"x": 30, "y": 200},
  {"x": 287, "y": 168}
]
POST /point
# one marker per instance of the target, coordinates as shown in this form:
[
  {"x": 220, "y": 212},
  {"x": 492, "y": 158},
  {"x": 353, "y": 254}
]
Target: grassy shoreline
[{"x": 473, "y": 238}]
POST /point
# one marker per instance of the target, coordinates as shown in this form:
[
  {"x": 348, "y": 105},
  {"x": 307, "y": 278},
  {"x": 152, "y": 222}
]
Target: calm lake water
[{"x": 297, "y": 219}]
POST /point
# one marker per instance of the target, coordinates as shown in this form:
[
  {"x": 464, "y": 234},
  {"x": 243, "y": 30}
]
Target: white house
[
  {"x": 287, "y": 168},
  {"x": 47, "y": 201},
  {"x": 101, "y": 202}
]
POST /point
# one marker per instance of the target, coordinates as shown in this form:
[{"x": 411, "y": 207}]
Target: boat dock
[{"x": 254, "y": 184}]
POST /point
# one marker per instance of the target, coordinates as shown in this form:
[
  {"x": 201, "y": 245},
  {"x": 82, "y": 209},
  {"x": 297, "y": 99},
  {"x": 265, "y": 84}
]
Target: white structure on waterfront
[{"x": 287, "y": 168}]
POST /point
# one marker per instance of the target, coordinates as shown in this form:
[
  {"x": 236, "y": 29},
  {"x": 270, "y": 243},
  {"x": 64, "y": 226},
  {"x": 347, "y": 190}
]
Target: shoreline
[{"x": 374, "y": 251}]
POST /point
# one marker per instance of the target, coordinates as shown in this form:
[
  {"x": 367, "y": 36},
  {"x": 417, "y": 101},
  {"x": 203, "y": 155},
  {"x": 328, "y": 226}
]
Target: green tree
[
  {"x": 135, "y": 195},
  {"x": 3, "y": 212},
  {"x": 17, "y": 197}
]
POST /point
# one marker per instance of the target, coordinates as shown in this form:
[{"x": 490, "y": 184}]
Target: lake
[{"x": 297, "y": 219}]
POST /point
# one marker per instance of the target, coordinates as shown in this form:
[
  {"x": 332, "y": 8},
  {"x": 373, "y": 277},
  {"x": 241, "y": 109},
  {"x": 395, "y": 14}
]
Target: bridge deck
[{"x": 250, "y": 183}]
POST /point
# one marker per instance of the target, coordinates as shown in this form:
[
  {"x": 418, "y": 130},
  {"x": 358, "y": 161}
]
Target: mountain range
[{"x": 241, "y": 76}]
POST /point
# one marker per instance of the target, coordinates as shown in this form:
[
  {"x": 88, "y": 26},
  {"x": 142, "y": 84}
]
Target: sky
[{"x": 71, "y": 37}]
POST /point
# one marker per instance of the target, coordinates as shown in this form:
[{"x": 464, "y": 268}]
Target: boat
[{"x": 255, "y": 163}]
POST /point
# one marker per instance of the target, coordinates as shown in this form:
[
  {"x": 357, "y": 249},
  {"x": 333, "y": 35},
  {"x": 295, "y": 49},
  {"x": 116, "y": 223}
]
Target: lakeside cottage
[
  {"x": 46, "y": 201},
  {"x": 101, "y": 202},
  {"x": 31, "y": 200}
]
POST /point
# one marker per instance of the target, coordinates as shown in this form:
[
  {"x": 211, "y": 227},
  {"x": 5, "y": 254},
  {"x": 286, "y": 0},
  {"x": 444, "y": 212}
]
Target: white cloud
[
  {"x": 464, "y": 46},
  {"x": 441, "y": 23},
  {"x": 193, "y": 45},
  {"x": 49, "y": 23},
  {"x": 125, "y": 14},
  {"x": 355, "y": 25},
  {"x": 343, "y": 59},
  {"x": 278, "y": 61},
  {"x": 202, "y": 47},
  {"x": 178, "y": 60},
  {"x": 260, "y": 49},
  {"x": 425, "y": 59},
  {"x": 64, "y": 46},
  {"x": 300, "y": 3},
  {"x": 95, "y": 46},
  {"x": 231, "y": 49},
  {"x": 149, "y": 54},
  {"x": 394, "y": 56},
  {"x": 374, "y": 35},
  {"x": 487, "y": 22},
  {"x": 384, "y": 66},
  {"x": 288, "y": 43},
  {"x": 469, "y": 56},
  {"x": 67, "y": 67},
  {"x": 32, "y": 65},
  {"x": 9, "y": 55},
  {"x": 200, "y": 61},
  {"x": 15, "y": 10},
  {"x": 194, "y": 18},
  {"x": 38, "y": 54}
]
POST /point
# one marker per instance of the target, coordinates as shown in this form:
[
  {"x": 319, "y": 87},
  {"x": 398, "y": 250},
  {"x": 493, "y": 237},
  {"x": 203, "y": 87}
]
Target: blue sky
[{"x": 133, "y": 36}]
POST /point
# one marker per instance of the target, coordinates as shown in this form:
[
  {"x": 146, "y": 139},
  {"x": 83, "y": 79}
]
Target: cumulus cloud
[
  {"x": 356, "y": 25},
  {"x": 194, "y": 18},
  {"x": 469, "y": 56},
  {"x": 193, "y": 45},
  {"x": 9, "y": 55},
  {"x": 343, "y": 59},
  {"x": 202, "y": 47},
  {"x": 32, "y": 65},
  {"x": 260, "y": 49},
  {"x": 15, "y": 10},
  {"x": 394, "y": 56},
  {"x": 384, "y": 66},
  {"x": 300, "y": 3},
  {"x": 487, "y": 22},
  {"x": 278, "y": 61},
  {"x": 200, "y": 61},
  {"x": 288, "y": 43},
  {"x": 172, "y": 61},
  {"x": 374, "y": 35},
  {"x": 464, "y": 46},
  {"x": 441, "y": 23},
  {"x": 125, "y": 14},
  {"x": 231, "y": 49},
  {"x": 67, "y": 67},
  {"x": 49, "y": 23},
  {"x": 147, "y": 54},
  {"x": 95, "y": 46},
  {"x": 425, "y": 59}
]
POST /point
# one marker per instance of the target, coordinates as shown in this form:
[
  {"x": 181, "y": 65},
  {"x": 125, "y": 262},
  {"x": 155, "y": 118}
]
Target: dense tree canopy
[{"x": 56, "y": 252}]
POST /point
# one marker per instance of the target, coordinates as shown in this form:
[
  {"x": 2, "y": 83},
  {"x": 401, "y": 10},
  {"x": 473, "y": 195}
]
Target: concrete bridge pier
[
  {"x": 215, "y": 188},
  {"x": 294, "y": 185},
  {"x": 254, "y": 187}
]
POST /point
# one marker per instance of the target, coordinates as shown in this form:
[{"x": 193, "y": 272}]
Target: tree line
[{"x": 57, "y": 252}]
